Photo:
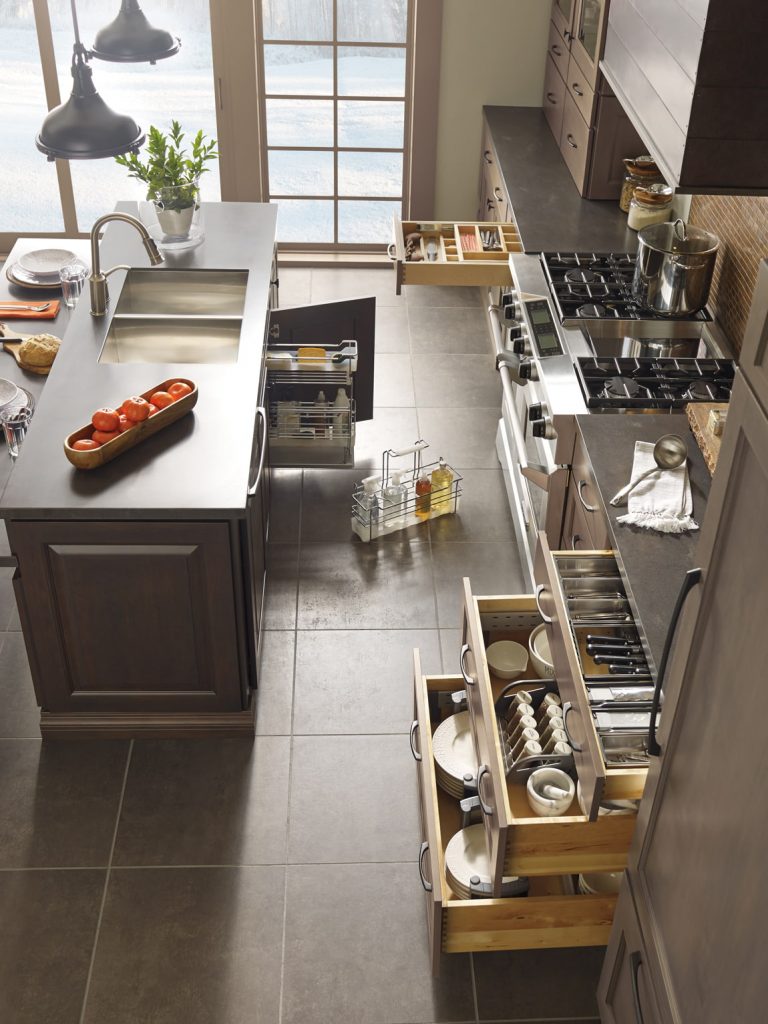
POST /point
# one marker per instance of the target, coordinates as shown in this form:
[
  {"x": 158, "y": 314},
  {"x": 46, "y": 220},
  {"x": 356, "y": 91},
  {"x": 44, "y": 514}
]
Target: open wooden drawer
[
  {"x": 454, "y": 253},
  {"x": 519, "y": 842},
  {"x": 549, "y": 916},
  {"x": 598, "y": 782}
]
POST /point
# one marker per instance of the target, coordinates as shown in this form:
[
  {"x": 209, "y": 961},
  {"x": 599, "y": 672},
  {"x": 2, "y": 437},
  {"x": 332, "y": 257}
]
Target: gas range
[
  {"x": 653, "y": 384},
  {"x": 594, "y": 290}
]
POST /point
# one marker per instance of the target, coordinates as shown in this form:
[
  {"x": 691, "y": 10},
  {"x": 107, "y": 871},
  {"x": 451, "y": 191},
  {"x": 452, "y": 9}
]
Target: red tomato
[
  {"x": 102, "y": 436},
  {"x": 136, "y": 409},
  {"x": 105, "y": 419},
  {"x": 153, "y": 409},
  {"x": 84, "y": 445},
  {"x": 178, "y": 389},
  {"x": 125, "y": 423},
  {"x": 162, "y": 399}
]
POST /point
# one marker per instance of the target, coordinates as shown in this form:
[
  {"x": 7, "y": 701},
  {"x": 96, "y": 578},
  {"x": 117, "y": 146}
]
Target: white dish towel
[{"x": 663, "y": 500}]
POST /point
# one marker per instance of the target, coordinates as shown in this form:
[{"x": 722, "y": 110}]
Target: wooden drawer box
[
  {"x": 519, "y": 842},
  {"x": 553, "y": 100},
  {"x": 550, "y": 916},
  {"x": 459, "y": 255},
  {"x": 598, "y": 782}
]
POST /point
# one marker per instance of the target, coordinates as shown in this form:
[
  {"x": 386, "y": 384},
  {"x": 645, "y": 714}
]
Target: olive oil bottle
[{"x": 442, "y": 492}]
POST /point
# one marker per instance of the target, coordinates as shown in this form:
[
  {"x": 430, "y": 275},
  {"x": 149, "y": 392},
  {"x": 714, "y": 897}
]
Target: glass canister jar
[
  {"x": 639, "y": 171},
  {"x": 650, "y": 204}
]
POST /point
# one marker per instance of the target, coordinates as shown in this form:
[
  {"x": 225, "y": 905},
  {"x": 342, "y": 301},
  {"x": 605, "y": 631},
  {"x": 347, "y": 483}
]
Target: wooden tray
[
  {"x": 12, "y": 343},
  {"x": 110, "y": 450},
  {"x": 709, "y": 443}
]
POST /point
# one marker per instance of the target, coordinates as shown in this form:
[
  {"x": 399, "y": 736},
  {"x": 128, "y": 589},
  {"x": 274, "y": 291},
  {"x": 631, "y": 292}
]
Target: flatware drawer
[
  {"x": 598, "y": 782},
  {"x": 551, "y": 915},
  {"x": 454, "y": 253},
  {"x": 518, "y": 841}
]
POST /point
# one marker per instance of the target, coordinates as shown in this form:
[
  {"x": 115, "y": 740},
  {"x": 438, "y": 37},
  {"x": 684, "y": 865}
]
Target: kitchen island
[{"x": 139, "y": 584}]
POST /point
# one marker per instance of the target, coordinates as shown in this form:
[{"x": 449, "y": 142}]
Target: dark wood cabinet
[
  {"x": 131, "y": 618},
  {"x": 626, "y": 994}
]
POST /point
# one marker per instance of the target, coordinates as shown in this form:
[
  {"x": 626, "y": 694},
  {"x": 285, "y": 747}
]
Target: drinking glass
[
  {"x": 14, "y": 419},
  {"x": 72, "y": 276}
]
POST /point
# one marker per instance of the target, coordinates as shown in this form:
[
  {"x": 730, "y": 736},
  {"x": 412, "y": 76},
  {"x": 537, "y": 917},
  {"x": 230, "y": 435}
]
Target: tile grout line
[{"x": 89, "y": 976}]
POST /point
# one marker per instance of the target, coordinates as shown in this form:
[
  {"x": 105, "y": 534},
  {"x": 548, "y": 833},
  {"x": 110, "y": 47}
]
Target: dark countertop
[
  {"x": 653, "y": 564},
  {"x": 181, "y": 470},
  {"x": 549, "y": 211}
]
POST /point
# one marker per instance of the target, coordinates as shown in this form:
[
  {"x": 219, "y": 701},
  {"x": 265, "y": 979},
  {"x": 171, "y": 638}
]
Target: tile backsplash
[{"x": 741, "y": 224}]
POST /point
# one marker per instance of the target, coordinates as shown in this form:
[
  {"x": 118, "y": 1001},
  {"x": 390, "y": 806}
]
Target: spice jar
[
  {"x": 651, "y": 204},
  {"x": 639, "y": 171}
]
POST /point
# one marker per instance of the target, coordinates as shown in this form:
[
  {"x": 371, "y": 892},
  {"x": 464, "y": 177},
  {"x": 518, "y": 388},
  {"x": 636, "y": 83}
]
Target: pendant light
[
  {"x": 130, "y": 39},
  {"x": 85, "y": 128}
]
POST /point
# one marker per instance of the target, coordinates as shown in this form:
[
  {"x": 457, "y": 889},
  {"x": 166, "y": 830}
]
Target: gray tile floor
[{"x": 224, "y": 882}]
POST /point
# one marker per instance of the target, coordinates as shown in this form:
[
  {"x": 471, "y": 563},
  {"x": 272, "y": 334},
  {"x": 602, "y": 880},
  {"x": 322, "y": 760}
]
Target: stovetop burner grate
[{"x": 653, "y": 383}]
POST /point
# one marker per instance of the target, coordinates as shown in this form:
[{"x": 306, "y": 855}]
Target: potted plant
[{"x": 172, "y": 176}]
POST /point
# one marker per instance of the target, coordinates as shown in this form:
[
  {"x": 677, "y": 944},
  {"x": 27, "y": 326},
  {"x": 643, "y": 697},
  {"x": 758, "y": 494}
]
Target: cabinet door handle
[
  {"x": 556, "y": 50},
  {"x": 575, "y": 537},
  {"x": 487, "y": 156},
  {"x": 552, "y": 98},
  {"x": 576, "y": 89},
  {"x": 567, "y": 708},
  {"x": 486, "y": 808},
  {"x": 412, "y": 740},
  {"x": 568, "y": 36},
  {"x": 261, "y": 414},
  {"x": 635, "y": 960},
  {"x": 691, "y": 578},
  {"x": 498, "y": 194},
  {"x": 539, "y": 591},
  {"x": 467, "y": 678},
  {"x": 580, "y": 485},
  {"x": 569, "y": 140},
  {"x": 392, "y": 251},
  {"x": 427, "y": 885}
]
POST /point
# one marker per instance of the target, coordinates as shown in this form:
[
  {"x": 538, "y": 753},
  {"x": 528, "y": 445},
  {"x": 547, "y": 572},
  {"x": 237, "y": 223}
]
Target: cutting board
[
  {"x": 12, "y": 344},
  {"x": 709, "y": 443}
]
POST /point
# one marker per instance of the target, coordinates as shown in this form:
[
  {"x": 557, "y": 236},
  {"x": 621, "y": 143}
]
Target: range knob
[
  {"x": 519, "y": 347},
  {"x": 515, "y": 331},
  {"x": 544, "y": 428},
  {"x": 536, "y": 411},
  {"x": 508, "y": 299},
  {"x": 528, "y": 370}
]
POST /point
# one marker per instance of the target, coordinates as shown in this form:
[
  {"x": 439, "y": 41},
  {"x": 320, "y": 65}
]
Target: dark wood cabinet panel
[
  {"x": 626, "y": 994},
  {"x": 615, "y": 138},
  {"x": 130, "y": 617}
]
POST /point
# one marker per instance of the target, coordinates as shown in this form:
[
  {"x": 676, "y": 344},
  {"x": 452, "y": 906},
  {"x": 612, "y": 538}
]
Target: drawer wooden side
[{"x": 453, "y": 266}]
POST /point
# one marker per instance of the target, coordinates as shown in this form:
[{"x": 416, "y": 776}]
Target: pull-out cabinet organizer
[
  {"x": 301, "y": 431},
  {"x": 467, "y": 253}
]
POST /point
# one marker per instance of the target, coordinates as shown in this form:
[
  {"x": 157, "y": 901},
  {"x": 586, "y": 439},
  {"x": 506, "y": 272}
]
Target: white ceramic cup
[{"x": 547, "y": 807}]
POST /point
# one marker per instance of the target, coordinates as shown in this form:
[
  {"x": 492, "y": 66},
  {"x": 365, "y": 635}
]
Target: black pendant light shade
[
  {"x": 85, "y": 128},
  {"x": 131, "y": 39}
]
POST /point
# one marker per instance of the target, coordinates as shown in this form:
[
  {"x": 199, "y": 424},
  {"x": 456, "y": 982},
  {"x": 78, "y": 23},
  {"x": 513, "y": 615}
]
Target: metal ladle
[{"x": 670, "y": 452}]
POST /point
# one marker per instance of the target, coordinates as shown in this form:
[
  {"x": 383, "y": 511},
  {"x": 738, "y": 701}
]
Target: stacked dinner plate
[
  {"x": 466, "y": 859},
  {"x": 40, "y": 268},
  {"x": 454, "y": 751}
]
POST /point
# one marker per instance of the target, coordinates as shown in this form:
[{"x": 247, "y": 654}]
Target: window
[{"x": 334, "y": 114}]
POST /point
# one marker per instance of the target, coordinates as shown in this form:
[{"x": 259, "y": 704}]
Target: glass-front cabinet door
[
  {"x": 562, "y": 15},
  {"x": 587, "y": 46}
]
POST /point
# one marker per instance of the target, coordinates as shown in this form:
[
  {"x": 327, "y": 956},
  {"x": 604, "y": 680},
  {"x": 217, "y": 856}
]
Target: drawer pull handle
[
  {"x": 556, "y": 50},
  {"x": 567, "y": 707},
  {"x": 412, "y": 740},
  {"x": 497, "y": 193},
  {"x": 467, "y": 678},
  {"x": 691, "y": 578},
  {"x": 576, "y": 89},
  {"x": 635, "y": 960},
  {"x": 568, "y": 36},
  {"x": 487, "y": 156},
  {"x": 552, "y": 98},
  {"x": 392, "y": 251},
  {"x": 575, "y": 538},
  {"x": 579, "y": 488},
  {"x": 539, "y": 591},
  {"x": 427, "y": 885},
  {"x": 486, "y": 808},
  {"x": 569, "y": 140}
]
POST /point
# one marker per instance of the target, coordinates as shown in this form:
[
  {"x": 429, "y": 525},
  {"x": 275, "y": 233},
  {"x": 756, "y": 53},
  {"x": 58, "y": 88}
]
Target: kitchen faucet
[{"x": 98, "y": 279}]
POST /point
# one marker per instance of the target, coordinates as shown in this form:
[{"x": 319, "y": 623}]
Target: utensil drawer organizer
[
  {"x": 301, "y": 431},
  {"x": 467, "y": 253}
]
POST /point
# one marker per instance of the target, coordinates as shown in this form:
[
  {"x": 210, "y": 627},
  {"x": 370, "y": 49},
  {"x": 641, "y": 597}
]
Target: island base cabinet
[{"x": 134, "y": 628}]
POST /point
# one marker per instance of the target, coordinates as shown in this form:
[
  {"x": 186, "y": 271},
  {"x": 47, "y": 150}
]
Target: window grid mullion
[{"x": 335, "y": 127}]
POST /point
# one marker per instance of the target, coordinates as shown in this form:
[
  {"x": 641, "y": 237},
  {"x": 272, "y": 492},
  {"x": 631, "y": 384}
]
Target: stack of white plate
[
  {"x": 40, "y": 268},
  {"x": 466, "y": 858},
  {"x": 454, "y": 753}
]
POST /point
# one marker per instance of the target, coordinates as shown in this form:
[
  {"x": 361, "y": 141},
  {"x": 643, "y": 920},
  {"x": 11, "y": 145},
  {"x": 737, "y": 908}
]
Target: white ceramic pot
[
  {"x": 541, "y": 657},
  {"x": 175, "y": 223},
  {"x": 547, "y": 806}
]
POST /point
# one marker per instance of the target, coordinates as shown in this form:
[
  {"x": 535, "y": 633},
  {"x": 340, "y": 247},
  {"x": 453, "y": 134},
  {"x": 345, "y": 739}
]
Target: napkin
[
  {"x": 663, "y": 501},
  {"x": 27, "y": 314}
]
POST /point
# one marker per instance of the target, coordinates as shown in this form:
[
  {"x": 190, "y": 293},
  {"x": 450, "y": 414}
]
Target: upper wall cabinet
[{"x": 693, "y": 79}]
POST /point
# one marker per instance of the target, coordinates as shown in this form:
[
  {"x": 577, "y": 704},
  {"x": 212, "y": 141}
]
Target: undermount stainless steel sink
[
  {"x": 172, "y": 339},
  {"x": 177, "y": 316},
  {"x": 162, "y": 292}
]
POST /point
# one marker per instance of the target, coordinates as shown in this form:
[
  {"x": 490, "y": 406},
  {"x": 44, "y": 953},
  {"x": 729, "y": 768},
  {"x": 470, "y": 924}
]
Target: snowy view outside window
[
  {"x": 335, "y": 117},
  {"x": 334, "y": 81}
]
